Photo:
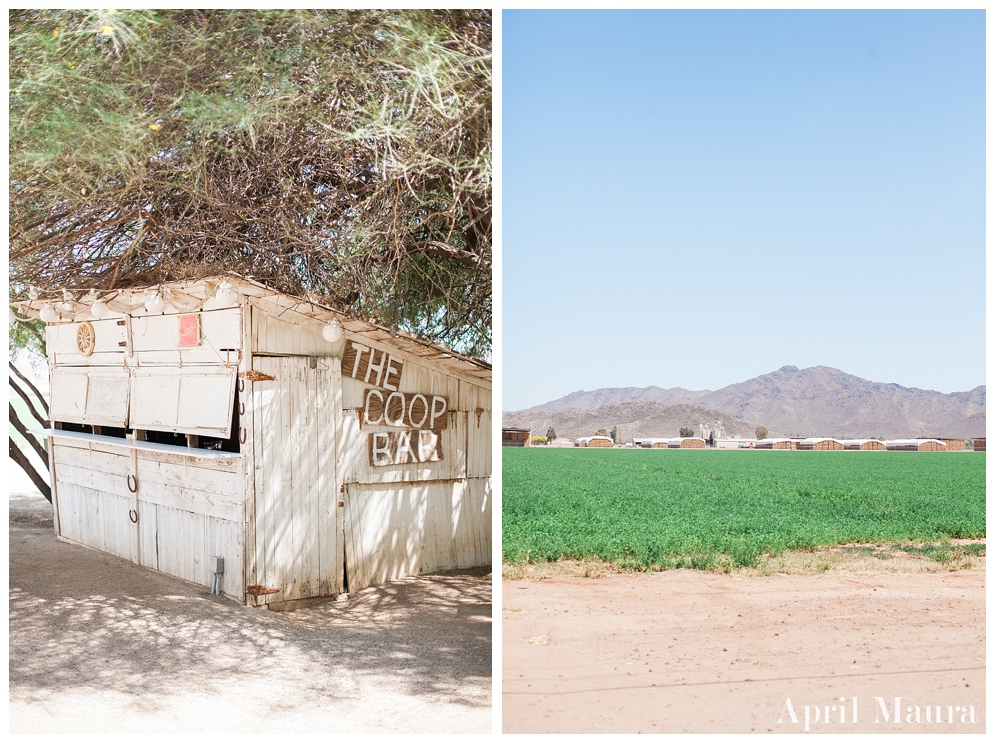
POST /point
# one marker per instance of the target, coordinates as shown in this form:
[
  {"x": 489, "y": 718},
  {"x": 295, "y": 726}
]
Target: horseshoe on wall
[
  {"x": 241, "y": 435},
  {"x": 132, "y": 488},
  {"x": 133, "y": 515}
]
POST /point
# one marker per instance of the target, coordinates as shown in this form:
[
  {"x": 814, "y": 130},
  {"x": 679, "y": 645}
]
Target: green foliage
[
  {"x": 539, "y": 441},
  {"x": 601, "y": 432},
  {"x": 550, "y": 433},
  {"x": 761, "y": 432},
  {"x": 27, "y": 335},
  {"x": 698, "y": 509},
  {"x": 686, "y": 432},
  {"x": 338, "y": 154}
]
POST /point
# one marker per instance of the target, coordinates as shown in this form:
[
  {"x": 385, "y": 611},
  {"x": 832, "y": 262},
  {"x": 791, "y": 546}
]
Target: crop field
[{"x": 705, "y": 509}]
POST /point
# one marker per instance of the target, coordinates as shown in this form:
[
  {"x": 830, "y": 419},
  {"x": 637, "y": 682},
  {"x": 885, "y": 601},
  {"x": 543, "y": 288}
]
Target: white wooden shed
[{"x": 213, "y": 418}]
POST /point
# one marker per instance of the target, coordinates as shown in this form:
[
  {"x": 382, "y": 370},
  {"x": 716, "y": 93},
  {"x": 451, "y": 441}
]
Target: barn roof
[
  {"x": 192, "y": 295},
  {"x": 910, "y": 442}
]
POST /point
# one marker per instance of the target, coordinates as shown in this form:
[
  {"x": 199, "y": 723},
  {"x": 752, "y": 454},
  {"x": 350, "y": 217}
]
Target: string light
[
  {"x": 332, "y": 332},
  {"x": 226, "y": 296},
  {"x": 154, "y": 303}
]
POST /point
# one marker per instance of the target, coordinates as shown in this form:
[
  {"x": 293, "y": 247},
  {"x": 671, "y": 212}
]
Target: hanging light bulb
[
  {"x": 48, "y": 314},
  {"x": 332, "y": 332},
  {"x": 154, "y": 303},
  {"x": 99, "y": 309},
  {"x": 226, "y": 296},
  {"x": 32, "y": 293}
]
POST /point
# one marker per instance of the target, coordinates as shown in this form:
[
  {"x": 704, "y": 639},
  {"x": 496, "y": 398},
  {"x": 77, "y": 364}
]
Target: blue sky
[{"x": 691, "y": 199}]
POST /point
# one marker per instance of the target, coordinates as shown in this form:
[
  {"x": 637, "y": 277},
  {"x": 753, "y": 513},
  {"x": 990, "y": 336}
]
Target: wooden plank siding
[
  {"x": 418, "y": 517},
  {"x": 296, "y": 535},
  {"x": 150, "y": 339},
  {"x": 188, "y": 508},
  {"x": 394, "y": 530}
]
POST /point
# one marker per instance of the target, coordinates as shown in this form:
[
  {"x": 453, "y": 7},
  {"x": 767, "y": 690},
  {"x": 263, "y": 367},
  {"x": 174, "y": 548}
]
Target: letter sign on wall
[
  {"x": 404, "y": 447},
  {"x": 404, "y": 409},
  {"x": 371, "y": 366}
]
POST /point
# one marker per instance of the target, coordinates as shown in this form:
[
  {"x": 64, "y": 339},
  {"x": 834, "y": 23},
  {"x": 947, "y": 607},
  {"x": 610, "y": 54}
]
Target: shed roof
[{"x": 192, "y": 295}]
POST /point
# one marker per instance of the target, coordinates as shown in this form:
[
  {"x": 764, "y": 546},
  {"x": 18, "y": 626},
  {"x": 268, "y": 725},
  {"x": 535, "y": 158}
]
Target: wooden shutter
[
  {"x": 91, "y": 395},
  {"x": 184, "y": 399}
]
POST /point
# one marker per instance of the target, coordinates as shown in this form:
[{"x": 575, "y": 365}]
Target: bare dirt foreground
[
  {"x": 687, "y": 651},
  {"x": 100, "y": 645}
]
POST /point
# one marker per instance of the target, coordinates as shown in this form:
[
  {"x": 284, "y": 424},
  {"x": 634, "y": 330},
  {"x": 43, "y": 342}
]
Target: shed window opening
[
  {"x": 73, "y": 427},
  {"x": 112, "y": 431}
]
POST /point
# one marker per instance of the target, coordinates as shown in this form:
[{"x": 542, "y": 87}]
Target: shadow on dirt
[{"x": 83, "y": 618}]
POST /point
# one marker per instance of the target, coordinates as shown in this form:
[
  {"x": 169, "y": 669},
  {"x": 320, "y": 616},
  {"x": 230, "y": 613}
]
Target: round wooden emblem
[{"x": 86, "y": 339}]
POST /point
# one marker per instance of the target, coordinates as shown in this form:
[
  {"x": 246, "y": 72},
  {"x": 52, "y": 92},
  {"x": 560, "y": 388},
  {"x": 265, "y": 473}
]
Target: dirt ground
[
  {"x": 687, "y": 651},
  {"x": 98, "y": 644}
]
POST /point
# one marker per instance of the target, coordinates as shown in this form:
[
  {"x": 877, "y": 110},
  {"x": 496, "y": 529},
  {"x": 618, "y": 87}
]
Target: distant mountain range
[{"x": 818, "y": 401}]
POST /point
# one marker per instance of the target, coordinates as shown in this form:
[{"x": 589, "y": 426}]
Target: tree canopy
[{"x": 339, "y": 155}]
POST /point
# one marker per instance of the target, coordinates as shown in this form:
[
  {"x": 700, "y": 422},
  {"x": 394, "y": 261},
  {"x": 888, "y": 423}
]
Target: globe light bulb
[
  {"x": 99, "y": 309},
  {"x": 154, "y": 303},
  {"x": 332, "y": 332},
  {"x": 226, "y": 296},
  {"x": 48, "y": 314}
]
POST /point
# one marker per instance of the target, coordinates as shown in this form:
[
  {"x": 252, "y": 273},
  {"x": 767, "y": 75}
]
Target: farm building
[
  {"x": 776, "y": 444},
  {"x": 595, "y": 441},
  {"x": 687, "y": 442},
  {"x": 863, "y": 445},
  {"x": 818, "y": 443},
  {"x": 954, "y": 444},
  {"x": 651, "y": 443},
  {"x": 314, "y": 452},
  {"x": 979, "y": 445},
  {"x": 915, "y": 445},
  {"x": 516, "y": 437}
]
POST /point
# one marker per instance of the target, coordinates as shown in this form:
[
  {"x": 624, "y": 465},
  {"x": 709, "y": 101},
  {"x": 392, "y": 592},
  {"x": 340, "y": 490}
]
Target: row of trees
[{"x": 684, "y": 432}]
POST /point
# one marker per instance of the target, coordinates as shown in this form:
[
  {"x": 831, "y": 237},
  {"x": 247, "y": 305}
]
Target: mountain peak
[{"x": 816, "y": 401}]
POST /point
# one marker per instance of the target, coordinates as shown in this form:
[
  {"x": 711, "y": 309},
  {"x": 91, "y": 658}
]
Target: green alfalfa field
[{"x": 659, "y": 509}]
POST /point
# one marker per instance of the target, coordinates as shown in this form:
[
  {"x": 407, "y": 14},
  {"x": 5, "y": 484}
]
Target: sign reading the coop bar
[
  {"x": 423, "y": 417},
  {"x": 371, "y": 366}
]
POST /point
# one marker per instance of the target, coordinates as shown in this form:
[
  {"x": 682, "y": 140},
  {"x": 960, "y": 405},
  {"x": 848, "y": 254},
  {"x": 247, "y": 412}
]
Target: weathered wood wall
[
  {"x": 420, "y": 517},
  {"x": 302, "y": 498},
  {"x": 189, "y": 503},
  {"x": 296, "y": 525},
  {"x": 188, "y": 507},
  {"x": 400, "y": 519}
]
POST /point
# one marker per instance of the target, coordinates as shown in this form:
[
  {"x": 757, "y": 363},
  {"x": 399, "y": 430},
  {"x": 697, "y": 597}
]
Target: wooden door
[{"x": 298, "y": 529}]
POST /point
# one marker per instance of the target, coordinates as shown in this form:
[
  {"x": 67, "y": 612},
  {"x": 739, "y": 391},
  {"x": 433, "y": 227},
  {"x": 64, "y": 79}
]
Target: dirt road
[
  {"x": 100, "y": 645},
  {"x": 685, "y": 651}
]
